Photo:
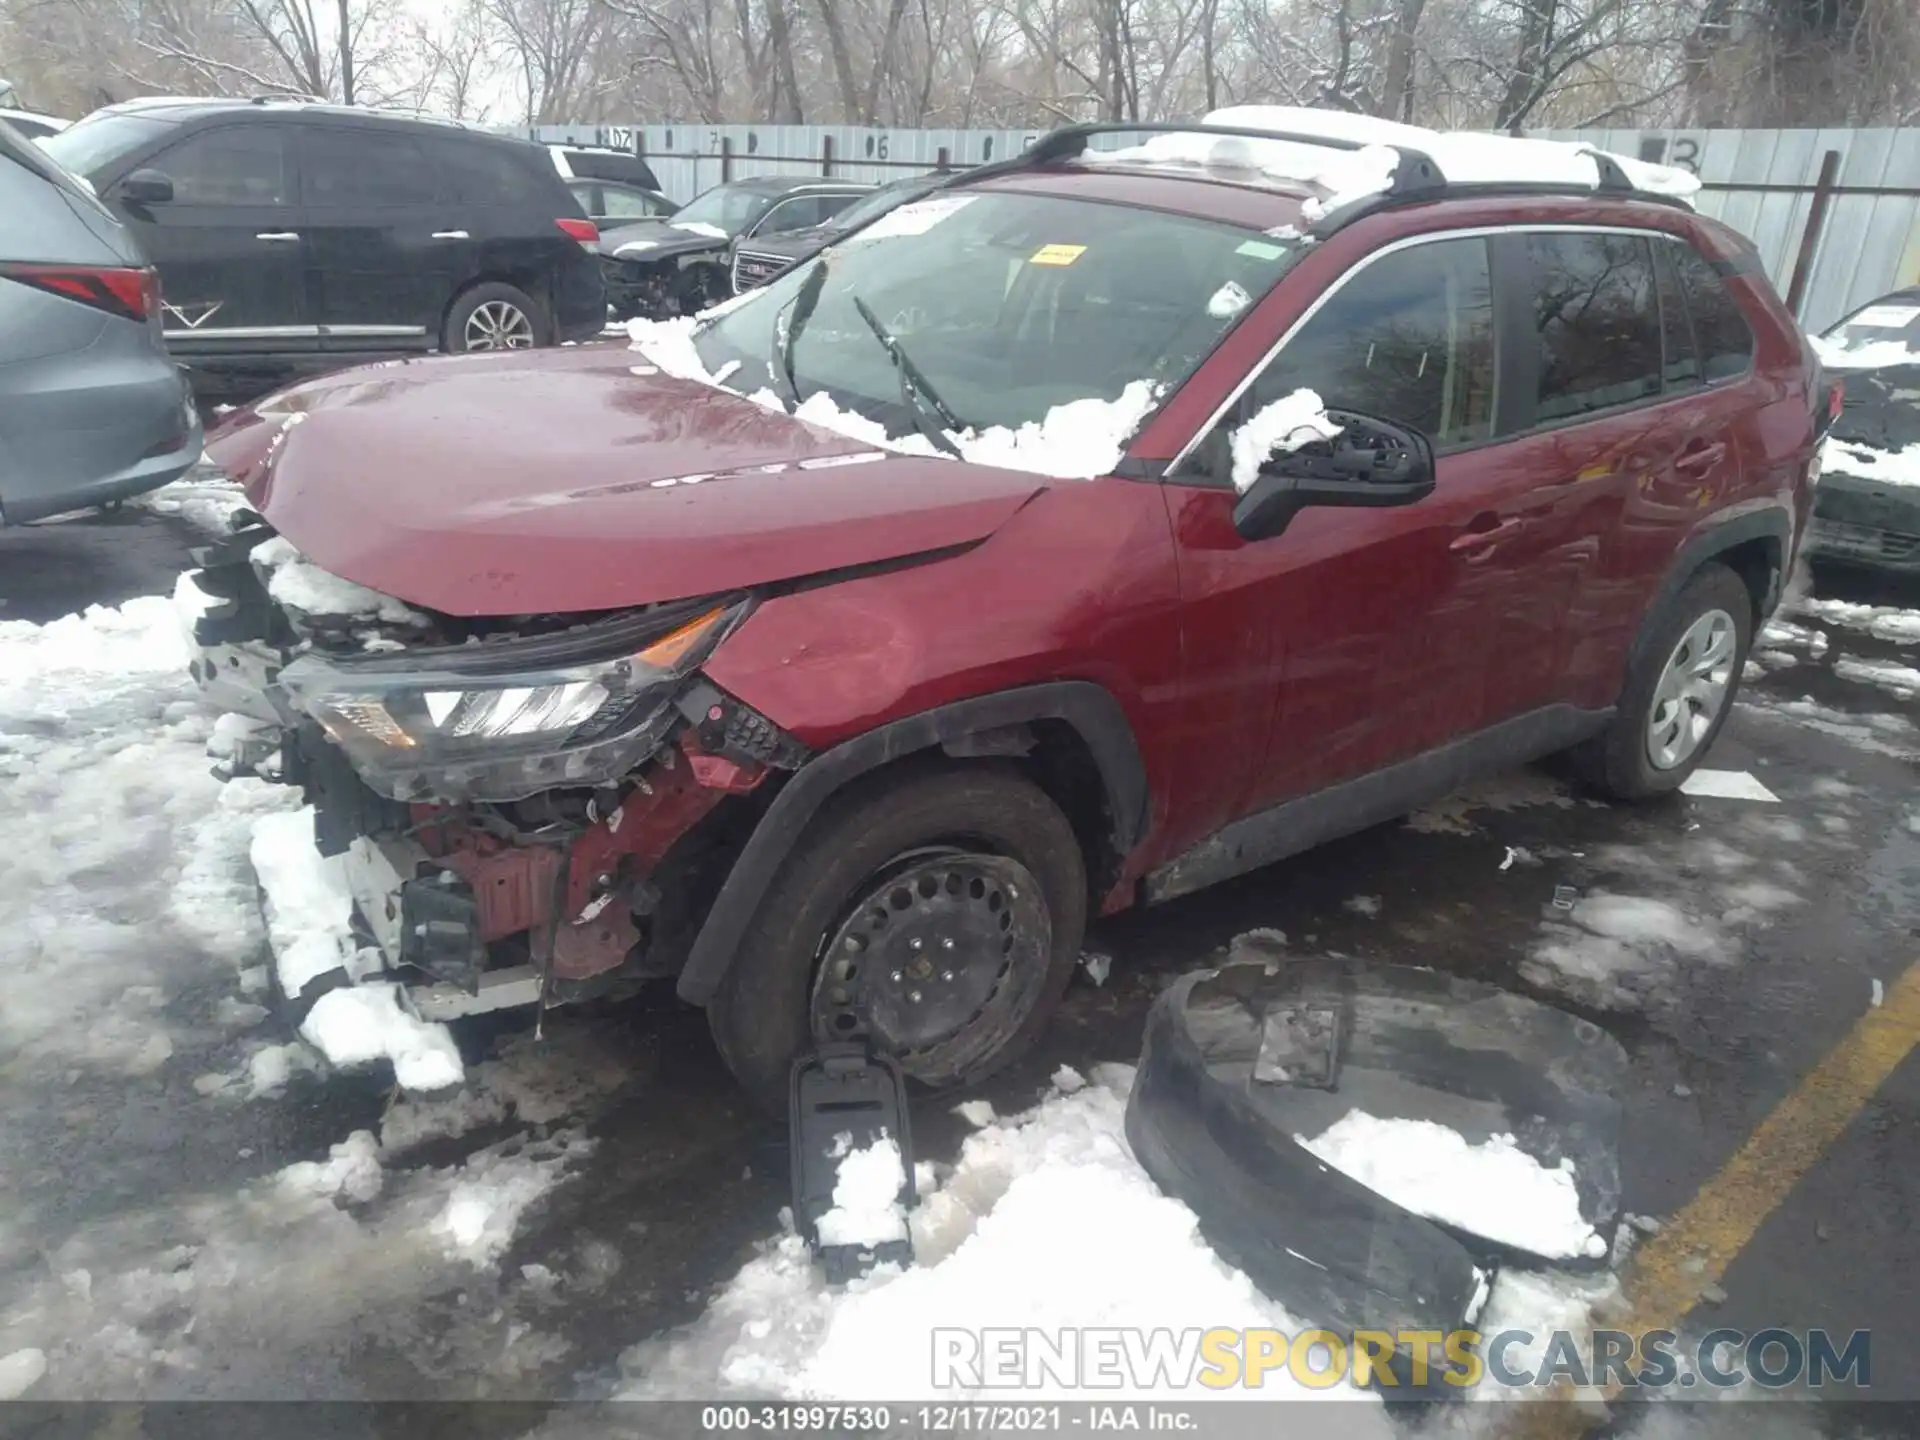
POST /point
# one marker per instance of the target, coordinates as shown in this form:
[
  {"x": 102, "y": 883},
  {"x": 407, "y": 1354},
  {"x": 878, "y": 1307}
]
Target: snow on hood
[
  {"x": 1463, "y": 157},
  {"x": 1865, "y": 462},
  {"x": 700, "y": 227},
  {"x": 1873, "y": 355},
  {"x": 1080, "y": 440}
]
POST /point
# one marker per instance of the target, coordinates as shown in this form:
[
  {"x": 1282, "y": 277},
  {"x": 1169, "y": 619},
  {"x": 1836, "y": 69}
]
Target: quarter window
[
  {"x": 1598, "y": 318},
  {"x": 235, "y": 165},
  {"x": 1410, "y": 338},
  {"x": 1720, "y": 330}
]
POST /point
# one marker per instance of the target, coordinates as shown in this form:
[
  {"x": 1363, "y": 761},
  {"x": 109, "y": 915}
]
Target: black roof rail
[{"x": 1416, "y": 178}]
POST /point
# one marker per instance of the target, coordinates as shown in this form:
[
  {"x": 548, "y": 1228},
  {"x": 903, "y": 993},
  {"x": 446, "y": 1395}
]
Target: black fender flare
[
  {"x": 1773, "y": 523},
  {"x": 1089, "y": 708}
]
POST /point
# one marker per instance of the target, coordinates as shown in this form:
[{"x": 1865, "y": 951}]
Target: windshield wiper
[
  {"x": 916, "y": 393},
  {"x": 800, "y": 309}
]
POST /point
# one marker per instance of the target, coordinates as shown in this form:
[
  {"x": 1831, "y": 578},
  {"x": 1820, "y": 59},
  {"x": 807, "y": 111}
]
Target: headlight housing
[{"x": 505, "y": 721}]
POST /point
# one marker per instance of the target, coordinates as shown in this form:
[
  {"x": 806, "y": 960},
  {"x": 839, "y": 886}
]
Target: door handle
[
  {"x": 1698, "y": 458},
  {"x": 1483, "y": 532},
  {"x": 278, "y": 237},
  {"x": 451, "y": 235}
]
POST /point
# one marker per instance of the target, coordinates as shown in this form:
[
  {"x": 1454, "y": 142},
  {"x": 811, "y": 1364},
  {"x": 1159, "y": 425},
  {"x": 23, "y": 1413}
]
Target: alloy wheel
[{"x": 498, "y": 325}]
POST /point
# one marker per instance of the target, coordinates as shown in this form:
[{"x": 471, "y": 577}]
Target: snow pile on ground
[
  {"x": 298, "y": 583},
  {"x": 1025, "y": 1232},
  {"x": 1883, "y": 622},
  {"x": 309, "y": 917},
  {"x": 1079, "y": 440},
  {"x": 1901, "y": 681},
  {"x": 1612, "y": 951},
  {"x": 1286, "y": 424},
  {"x": 1495, "y": 1190},
  {"x": 866, "y": 1197},
  {"x": 1890, "y": 735},
  {"x": 1865, "y": 462}
]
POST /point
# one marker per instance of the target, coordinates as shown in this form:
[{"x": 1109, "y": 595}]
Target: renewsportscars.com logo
[{"x": 1225, "y": 1359}]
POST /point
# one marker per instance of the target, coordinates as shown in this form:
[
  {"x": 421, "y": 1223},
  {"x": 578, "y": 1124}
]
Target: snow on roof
[{"x": 1348, "y": 176}]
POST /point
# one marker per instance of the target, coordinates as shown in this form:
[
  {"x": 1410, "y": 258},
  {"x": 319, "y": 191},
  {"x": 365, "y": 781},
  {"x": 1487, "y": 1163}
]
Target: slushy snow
[
  {"x": 309, "y": 919},
  {"x": 866, "y": 1197},
  {"x": 1494, "y": 1189},
  {"x": 1285, "y": 424},
  {"x": 297, "y": 582}
]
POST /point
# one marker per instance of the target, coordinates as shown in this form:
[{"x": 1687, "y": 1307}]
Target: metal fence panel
[{"x": 1761, "y": 182}]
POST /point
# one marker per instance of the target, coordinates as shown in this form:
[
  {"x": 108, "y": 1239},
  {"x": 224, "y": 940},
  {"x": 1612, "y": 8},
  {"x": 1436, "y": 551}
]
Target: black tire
[
  {"x": 698, "y": 287},
  {"x": 455, "y": 339},
  {"x": 764, "y": 1014},
  {"x": 1617, "y": 761}
]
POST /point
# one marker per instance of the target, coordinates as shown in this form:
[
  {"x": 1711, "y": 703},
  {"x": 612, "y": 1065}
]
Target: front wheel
[
  {"x": 495, "y": 317},
  {"x": 1679, "y": 693},
  {"x": 935, "y": 915}
]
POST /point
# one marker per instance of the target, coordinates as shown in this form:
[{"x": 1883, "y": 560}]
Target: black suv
[{"x": 294, "y": 237}]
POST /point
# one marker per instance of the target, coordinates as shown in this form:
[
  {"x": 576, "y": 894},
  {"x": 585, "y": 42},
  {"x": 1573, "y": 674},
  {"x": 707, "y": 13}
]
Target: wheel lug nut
[
  {"x": 898, "y": 977},
  {"x": 947, "y": 944},
  {"x": 914, "y": 996},
  {"x": 946, "y": 975},
  {"x": 914, "y": 944}
]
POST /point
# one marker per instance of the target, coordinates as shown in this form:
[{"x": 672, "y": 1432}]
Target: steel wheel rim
[
  {"x": 1692, "y": 690},
  {"x": 498, "y": 325},
  {"x": 935, "y": 961}
]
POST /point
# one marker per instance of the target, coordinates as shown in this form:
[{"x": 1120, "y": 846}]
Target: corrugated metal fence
[{"x": 1836, "y": 213}]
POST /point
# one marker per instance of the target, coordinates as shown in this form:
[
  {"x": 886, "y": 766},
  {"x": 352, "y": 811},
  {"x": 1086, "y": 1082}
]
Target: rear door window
[
  {"x": 1410, "y": 338},
  {"x": 1725, "y": 340},
  {"x": 1597, "y": 314},
  {"x": 363, "y": 170},
  {"x": 231, "y": 166}
]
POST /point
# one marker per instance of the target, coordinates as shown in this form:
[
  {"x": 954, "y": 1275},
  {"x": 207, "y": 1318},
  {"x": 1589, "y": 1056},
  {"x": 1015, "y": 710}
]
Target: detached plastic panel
[{"x": 842, "y": 1091}]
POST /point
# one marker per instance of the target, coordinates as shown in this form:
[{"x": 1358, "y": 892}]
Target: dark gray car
[{"x": 91, "y": 407}]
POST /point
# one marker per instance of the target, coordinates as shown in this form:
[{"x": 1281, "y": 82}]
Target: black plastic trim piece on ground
[
  {"x": 1414, "y": 1044},
  {"x": 842, "y": 1091},
  {"x": 1092, "y": 711}
]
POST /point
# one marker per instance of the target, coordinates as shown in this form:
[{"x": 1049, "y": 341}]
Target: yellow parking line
[{"x": 1664, "y": 1276}]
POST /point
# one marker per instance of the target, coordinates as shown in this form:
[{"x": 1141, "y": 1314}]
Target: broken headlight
[{"x": 505, "y": 721}]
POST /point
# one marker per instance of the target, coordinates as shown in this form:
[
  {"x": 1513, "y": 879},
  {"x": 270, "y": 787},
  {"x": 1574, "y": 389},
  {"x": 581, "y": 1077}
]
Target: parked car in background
[
  {"x": 679, "y": 265},
  {"x": 295, "y": 237},
  {"x": 1155, "y": 515},
  {"x": 92, "y": 410},
  {"x": 591, "y": 162},
  {"x": 1867, "y": 508},
  {"x": 611, "y": 202},
  {"x": 758, "y": 259},
  {"x": 32, "y": 126}
]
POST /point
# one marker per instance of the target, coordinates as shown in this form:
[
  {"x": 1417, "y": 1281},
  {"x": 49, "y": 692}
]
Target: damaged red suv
[{"x": 1106, "y": 524}]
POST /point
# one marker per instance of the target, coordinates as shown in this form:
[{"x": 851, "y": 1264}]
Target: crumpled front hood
[
  {"x": 660, "y": 240},
  {"x": 558, "y": 481}
]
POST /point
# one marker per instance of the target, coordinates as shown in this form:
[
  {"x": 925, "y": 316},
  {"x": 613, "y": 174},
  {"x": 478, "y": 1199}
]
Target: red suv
[{"x": 840, "y": 653}]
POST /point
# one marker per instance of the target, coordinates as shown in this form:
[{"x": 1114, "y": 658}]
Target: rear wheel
[
  {"x": 495, "y": 316},
  {"x": 1679, "y": 693},
  {"x": 936, "y": 916}
]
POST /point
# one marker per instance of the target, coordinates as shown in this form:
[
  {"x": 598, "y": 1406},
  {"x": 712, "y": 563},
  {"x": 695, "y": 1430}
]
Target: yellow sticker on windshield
[{"x": 1057, "y": 254}]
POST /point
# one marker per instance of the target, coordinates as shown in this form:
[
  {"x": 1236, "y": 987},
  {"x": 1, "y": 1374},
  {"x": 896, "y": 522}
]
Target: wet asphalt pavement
[{"x": 685, "y": 1178}]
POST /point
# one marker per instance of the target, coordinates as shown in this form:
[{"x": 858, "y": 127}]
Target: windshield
[
  {"x": 1007, "y": 305},
  {"x": 91, "y": 145},
  {"x": 730, "y": 209},
  {"x": 872, "y": 207}
]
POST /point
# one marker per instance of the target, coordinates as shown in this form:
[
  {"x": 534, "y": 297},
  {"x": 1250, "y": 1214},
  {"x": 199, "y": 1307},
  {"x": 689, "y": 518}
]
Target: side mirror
[
  {"x": 1371, "y": 462},
  {"x": 145, "y": 187}
]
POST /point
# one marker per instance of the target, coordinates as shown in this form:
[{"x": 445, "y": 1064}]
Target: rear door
[
  {"x": 387, "y": 252},
  {"x": 231, "y": 245}
]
